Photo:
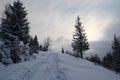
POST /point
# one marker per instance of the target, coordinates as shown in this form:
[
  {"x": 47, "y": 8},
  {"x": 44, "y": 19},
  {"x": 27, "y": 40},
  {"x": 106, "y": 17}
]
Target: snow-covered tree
[
  {"x": 116, "y": 53},
  {"x": 79, "y": 42},
  {"x": 16, "y": 51},
  {"x": 6, "y": 37},
  {"x": 19, "y": 51},
  {"x": 6, "y": 27},
  {"x": 5, "y": 56},
  {"x": 14, "y": 29},
  {"x": 14, "y": 23}
]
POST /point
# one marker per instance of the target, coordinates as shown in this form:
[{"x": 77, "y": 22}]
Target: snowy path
[
  {"x": 48, "y": 68},
  {"x": 56, "y": 66},
  {"x": 45, "y": 67}
]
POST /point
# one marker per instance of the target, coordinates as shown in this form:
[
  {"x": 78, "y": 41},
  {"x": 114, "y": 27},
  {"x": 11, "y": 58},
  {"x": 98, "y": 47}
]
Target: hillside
[{"x": 56, "y": 66}]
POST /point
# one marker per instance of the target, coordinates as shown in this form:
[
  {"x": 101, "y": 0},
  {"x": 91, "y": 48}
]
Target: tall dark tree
[
  {"x": 116, "y": 53},
  {"x": 108, "y": 61},
  {"x": 79, "y": 42},
  {"x": 36, "y": 44},
  {"x": 14, "y": 23}
]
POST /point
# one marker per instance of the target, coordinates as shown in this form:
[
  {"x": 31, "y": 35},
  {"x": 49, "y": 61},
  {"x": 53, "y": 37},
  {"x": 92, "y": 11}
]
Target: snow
[
  {"x": 78, "y": 69},
  {"x": 55, "y": 66},
  {"x": 2, "y": 66}
]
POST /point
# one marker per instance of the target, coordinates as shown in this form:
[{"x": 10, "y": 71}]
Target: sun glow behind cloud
[
  {"x": 94, "y": 26},
  {"x": 58, "y": 17}
]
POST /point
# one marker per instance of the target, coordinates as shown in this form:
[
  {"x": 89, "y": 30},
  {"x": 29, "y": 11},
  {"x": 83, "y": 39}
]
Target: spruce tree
[
  {"x": 79, "y": 42},
  {"x": 36, "y": 44},
  {"x": 14, "y": 28},
  {"x": 15, "y": 23},
  {"x": 6, "y": 27},
  {"x": 116, "y": 53},
  {"x": 108, "y": 61}
]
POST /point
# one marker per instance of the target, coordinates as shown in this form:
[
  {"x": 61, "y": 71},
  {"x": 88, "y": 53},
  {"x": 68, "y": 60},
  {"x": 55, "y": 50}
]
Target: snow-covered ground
[{"x": 56, "y": 66}]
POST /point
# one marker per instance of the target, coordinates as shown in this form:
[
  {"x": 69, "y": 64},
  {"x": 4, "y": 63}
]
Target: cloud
[
  {"x": 112, "y": 28},
  {"x": 60, "y": 43},
  {"x": 99, "y": 47},
  {"x": 56, "y": 19}
]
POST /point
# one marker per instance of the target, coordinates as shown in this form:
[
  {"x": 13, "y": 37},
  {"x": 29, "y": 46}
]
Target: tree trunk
[{"x": 81, "y": 54}]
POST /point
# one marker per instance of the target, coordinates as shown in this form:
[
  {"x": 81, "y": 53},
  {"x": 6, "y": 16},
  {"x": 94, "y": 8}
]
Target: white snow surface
[{"x": 56, "y": 66}]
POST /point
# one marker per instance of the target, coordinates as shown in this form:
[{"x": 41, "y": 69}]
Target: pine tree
[
  {"x": 108, "y": 61},
  {"x": 116, "y": 53},
  {"x": 36, "y": 44},
  {"x": 15, "y": 23},
  {"x": 6, "y": 27},
  {"x": 14, "y": 28},
  {"x": 7, "y": 36},
  {"x": 80, "y": 43}
]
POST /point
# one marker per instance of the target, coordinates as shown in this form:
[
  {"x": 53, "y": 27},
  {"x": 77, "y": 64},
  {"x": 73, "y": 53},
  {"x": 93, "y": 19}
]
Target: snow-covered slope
[{"x": 56, "y": 66}]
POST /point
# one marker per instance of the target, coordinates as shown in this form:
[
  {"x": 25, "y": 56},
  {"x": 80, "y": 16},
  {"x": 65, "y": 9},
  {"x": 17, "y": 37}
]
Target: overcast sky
[{"x": 56, "y": 19}]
